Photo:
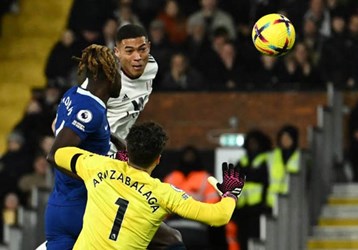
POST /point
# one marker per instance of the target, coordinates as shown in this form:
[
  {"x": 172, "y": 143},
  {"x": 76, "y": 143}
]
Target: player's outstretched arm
[
  {"x": 220, "y": 213},
  {"x": 69, "y": 158}
]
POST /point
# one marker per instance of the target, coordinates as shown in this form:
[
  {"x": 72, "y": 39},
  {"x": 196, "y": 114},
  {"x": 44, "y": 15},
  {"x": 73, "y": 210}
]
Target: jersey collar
[{"x": 82, "y": 91}]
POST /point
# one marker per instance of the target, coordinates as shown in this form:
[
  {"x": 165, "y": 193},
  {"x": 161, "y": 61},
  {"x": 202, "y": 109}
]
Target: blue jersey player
[{"x": 81, "y": 121}]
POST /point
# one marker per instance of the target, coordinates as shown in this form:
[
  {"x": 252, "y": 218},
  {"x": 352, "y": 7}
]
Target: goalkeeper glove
[
  {"x": 120, "y": 155},
  {"x": 233, "y": 181}
]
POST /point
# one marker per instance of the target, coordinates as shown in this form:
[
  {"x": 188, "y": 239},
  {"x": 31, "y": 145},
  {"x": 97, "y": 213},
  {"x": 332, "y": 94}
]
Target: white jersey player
[
  {"x": 124, "y": 110},
  {"x": 138, "y": 70}
]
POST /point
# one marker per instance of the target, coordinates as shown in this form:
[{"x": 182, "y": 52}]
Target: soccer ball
[{"x": 273, "y": 35}]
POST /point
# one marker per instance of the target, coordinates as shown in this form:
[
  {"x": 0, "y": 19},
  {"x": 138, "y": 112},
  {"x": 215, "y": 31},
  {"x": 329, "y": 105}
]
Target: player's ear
[
  {"x": 116, "y": 52},
  {"x": 157, "y": 161},
  {"x": 148, "y": 44}
]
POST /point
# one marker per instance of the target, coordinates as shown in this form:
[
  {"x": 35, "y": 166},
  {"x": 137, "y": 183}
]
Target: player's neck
[
  {"x": 100, "y": 92},
  {"x": 148, "y": 170}
]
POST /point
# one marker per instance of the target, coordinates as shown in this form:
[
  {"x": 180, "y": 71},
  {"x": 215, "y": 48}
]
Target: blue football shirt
[{"x": 86, "y": 115}]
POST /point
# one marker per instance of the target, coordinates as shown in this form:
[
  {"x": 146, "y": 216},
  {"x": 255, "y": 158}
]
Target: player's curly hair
[
  {"x": 145, "y": 142},
  {"x": 98, "y": 62}
]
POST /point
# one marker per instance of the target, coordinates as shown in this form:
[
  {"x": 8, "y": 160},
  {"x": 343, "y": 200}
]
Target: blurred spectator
[
  {"x": 338, "y": 8},
  {"x": 174, "y": 22},
  {"x": 335, "y": 51},
  {"x": 262, "y": 7},
  {"x": 251, "y": 203},
  {"x": 353, "y": 58},
  {"x": 238, "y": 10},
  {"x": 214, "y": 18},
  {"x": 109, "y": 32},
  {"x": 191, "y": 176},
  {"x": 295, "y": 10},
  {"x": 45, "y": 144},
  {"x": 181, "y": 75},
  {"x": 197, "y": 44},
  {"x": 39, "y": 178},
  {"x": 300, "y": 71},
  {"x": 125, "y": 14},
  {"x": 353, "y": 140},
  {"x": 269, "y": 74},
  {"x": 88, "y": 25},
  {"x": 319, "y": 13},
  {"x": 160, "y": 48},
  {"x": 212, "y": 68},
  {"x": 38, "y": 116},
  {"x": 282, "y": 161},
  {"x": 312, "y": 39},
  {"x": 14, "y": 163},
  {"x": 10, "y": 209},
  {"x": 189, "y": 7},
  {"x": 93, "y": 18},
  {"x": 231, "y": 70},
  {"x": 59, "y": 65},
  {"x": 147, "y": 10}
]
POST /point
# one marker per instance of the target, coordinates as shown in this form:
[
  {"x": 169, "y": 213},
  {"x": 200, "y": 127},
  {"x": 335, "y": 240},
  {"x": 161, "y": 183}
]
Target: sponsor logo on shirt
[
  {"x": 125, "y": 98},
  {"x": 78, "y": 125}
]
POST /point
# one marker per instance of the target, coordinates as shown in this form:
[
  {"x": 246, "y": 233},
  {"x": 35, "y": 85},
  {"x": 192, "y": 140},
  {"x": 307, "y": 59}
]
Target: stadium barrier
[{"x": 296, "y": 213}]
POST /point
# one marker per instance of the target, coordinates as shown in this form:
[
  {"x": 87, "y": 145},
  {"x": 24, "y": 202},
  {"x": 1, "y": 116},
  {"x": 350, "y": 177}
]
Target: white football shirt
[{"x": 124, "y": 110}]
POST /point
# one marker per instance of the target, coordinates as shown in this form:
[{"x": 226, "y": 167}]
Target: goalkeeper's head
[{"x": 145, "y": 143}]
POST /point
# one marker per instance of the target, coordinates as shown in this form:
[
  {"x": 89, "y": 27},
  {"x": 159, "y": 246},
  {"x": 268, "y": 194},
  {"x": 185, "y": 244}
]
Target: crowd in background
[
  {"x": 202, "y": 45},
  {"x": 206, "y": 45}
]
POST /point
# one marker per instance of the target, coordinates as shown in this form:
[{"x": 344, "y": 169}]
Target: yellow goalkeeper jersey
[{"x": 125, "y": 205}]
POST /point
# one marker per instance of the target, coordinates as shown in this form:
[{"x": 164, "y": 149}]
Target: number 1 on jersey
[{"x": 123, "y": 204}]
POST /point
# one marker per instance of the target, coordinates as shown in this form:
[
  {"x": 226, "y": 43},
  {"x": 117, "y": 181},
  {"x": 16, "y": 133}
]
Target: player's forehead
[{"x": 135, "y": 43}]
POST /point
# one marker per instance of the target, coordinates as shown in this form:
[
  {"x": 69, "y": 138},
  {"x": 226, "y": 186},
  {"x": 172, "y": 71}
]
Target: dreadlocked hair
[{"x": 98, "y": 62}]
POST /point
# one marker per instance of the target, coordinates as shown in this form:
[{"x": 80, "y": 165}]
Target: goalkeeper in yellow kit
[{"x": 125, "y": 205}]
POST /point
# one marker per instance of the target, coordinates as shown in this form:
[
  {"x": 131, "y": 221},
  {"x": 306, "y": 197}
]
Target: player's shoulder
[
  {"x": 84, "y": 99},
  {"x": 151, "y": 59},
  {"x": 164, "y": 187},
  {"x": 86, "y": 107}
]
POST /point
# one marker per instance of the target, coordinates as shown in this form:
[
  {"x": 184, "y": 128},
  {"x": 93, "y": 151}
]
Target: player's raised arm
[{"x": 220, "y": 213}]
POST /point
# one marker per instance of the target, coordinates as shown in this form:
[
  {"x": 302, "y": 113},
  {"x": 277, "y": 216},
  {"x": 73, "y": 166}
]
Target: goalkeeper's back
[{"x": 125, "y": 204}]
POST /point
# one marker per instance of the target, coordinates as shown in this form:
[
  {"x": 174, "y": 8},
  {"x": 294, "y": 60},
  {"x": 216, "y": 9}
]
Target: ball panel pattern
[{"x": 273, "y": 35}]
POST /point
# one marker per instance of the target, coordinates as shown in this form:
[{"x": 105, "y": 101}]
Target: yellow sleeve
[
  {"x": 216, "y": 214},
  {"x": 79, "y": 161},
  {"x": 66, "y": 157}
]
